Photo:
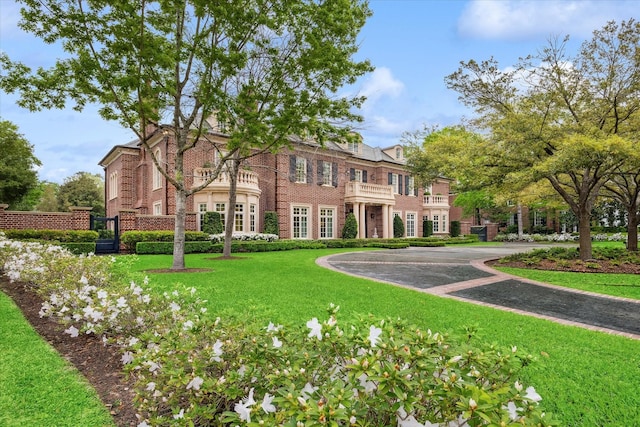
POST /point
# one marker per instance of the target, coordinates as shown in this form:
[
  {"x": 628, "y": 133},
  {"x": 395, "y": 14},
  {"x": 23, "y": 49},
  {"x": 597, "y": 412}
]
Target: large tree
[
  {"x": 268, "y": 68},
  {"x": 18, "y": 173},
  {"x": 82, "y": 189},
  {"x": 561, "y": 118}
]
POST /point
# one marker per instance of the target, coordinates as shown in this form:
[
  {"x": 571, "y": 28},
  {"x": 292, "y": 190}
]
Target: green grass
[
  {"x": 586, "y": 378},
  {"x": 37, "y": 387},
  {"x": 619, "y": 285}
]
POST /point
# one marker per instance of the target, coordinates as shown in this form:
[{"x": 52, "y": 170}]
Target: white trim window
[
  {"x": 327, "y": 175},
  {"x": 410, "y": 227},
  {"x": 300, "y": 222},
  {"x": 327, "y": 221},
  {"x": 221, "y": 208},
  {"x": 238, "y": 219},
  {"x": 301, "y": 170},
  {"x": 113, "y": 185},
  {"x": 157, "y": 175},
  {"x": 411, "y": 186},
  {"x": 202, "y": 209},
  {"x": 357, "y": 173},
  {"x": 157, "y": 208},
  {"x": 394, "y": 183},
  {"x": 436, "y": 223},
  {"x": 252, "y": 218},
  {"x": 444, "y": 223}
]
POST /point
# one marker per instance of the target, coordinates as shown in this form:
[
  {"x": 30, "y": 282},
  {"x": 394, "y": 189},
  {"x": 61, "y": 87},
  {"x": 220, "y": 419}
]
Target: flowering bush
[
  {"x": 244, "y": 237},
  {"x": 191, "y": 369},
  {"x": 554, "y": 237}
]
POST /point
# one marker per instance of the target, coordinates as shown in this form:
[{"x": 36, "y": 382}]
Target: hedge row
[
  {"x": 130, "y": 239},
  {"x": 58, "y": 236},
  {"x": 150, "y": 247}
]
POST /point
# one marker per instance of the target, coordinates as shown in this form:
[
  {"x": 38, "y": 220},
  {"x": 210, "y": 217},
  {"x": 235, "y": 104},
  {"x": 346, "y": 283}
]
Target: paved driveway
[{"x": 459, "y": 272}]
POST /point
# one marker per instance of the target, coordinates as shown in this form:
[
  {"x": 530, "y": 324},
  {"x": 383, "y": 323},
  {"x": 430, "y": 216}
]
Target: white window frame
[
  {"x": 327, "y": 222},
  {"x": 410, "y": 224},
  {"x": 252, "y": 218},
  {"x": 301, "y": 170},
  {"x": 327, "y": 174},
  {"x": 113, "y": 185},
  {"x": 436, "y": 223},
  {"x": 444, "y": 223},
  {"x": 157, "y": 208},
  {"x": 221, "y": 208},
  {"x": 412, "y": 185},
  {"x": 157, "y": 175},
  {"x": 357, "y": 175},
  {"x": 202, "y": 209},
  {"x": 394, "y": 183},
  {"x": 300, "y": 221},
  {"x": 238, "y": 217}
]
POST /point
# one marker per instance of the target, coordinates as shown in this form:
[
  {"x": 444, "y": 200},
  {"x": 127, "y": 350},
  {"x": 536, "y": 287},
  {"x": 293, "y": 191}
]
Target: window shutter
[
  {"x": 399, "y": 184},
  {"x": 406, "y": 185},
  {"x": 352, "y": 174},
  {"x": 390, "y": 181},
  {"x": 320, "y": 172},
  {"x": 292, "y": 168},
  {"x": 334, "y": 174},
  {"x": 309, "y": 172},
  {"x": 364, "y": 176}
]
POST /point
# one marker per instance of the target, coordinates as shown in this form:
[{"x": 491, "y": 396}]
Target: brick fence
[{"x": 79, "y": 219}]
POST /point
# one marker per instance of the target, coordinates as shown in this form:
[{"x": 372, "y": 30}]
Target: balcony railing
[
  {"x": 247, "y": 180},
  {"x": 437, "y": 200},
  {"x": 370, "y": 193}
]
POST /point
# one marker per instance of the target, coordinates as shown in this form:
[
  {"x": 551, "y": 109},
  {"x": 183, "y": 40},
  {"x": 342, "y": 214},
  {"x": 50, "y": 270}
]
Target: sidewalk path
[{"x": 460, "y": 273}]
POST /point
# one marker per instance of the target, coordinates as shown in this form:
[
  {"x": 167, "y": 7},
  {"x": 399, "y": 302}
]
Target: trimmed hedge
[
  {"x": 58, "y": 236},
  {"x": 388, "y": 245},
  {"x": 166, "y": 248},
  {"x": 79, "y": 248},
  {"x": 130, "y": 239}
]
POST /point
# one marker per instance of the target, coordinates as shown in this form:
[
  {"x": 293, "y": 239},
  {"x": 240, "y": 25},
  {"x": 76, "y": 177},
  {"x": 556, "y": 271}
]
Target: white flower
[
  {"x": 179, "y": 414},
  {"x": 195, "y": 383},
  {"x": 174, "y": 306},
  {"x": 374, "y": 335},
  {"x": 243, "y": 408},
  {"x": 273, "y": 328},
  {"x": 512, "y": 409},
  {"x": 121, "y": 302},
  {"x": 316, "y": 328},
  {"x": 72, "y": 330},
  {"x": 369, "y": 386},
  {"x": 187, "y": 325},
  {"x": 84, "y": 280},
  {"x": 217, "y": 351},
  {"x": 151, "y": 386},
  {"x": 276, "y": 342},
  {"x": 127, "y": 358},
  {"x": 353, "y": 419},
  {"x": 307, "y": 391},
  {"x": 532, "y": 395},
  {"x": 266, "y": 404}
]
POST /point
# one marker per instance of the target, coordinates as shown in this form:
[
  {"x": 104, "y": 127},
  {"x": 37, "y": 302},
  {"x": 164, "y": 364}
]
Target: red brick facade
[
  {"x": 311, "y": 188},
  {"x": 77, "y": 219}
]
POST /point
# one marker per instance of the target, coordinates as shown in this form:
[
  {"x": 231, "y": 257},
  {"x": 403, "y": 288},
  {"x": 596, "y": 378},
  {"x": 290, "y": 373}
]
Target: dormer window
[{"x": 398, "y": 153}]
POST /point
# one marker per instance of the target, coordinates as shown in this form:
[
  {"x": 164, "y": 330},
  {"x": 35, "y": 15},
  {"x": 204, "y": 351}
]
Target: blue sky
[{"x": 413, "y": 44}]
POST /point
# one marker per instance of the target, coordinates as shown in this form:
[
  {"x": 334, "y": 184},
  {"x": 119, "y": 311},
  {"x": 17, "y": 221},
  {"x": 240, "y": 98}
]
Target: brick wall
[{"x": 77, "y": 219}]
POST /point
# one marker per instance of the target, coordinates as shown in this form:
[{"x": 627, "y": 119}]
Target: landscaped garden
[{"x": 582, "y": 377}]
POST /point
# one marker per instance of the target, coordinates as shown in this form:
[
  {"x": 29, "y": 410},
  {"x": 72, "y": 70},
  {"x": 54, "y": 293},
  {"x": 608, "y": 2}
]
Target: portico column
[
  {"x": 385, "y": 222},
  {"x": 390, "y": 223},
  {"x": 356, "y": 213},
  {"x": 362, "y": 232}
]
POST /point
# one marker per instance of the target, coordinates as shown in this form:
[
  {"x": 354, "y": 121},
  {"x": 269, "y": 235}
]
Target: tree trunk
[
  {"x": 632, "y": 229},
  {"x": 178, "y": 238},
  {"x": 231, "y": 211},
  {"x": 584, "y": 228}
]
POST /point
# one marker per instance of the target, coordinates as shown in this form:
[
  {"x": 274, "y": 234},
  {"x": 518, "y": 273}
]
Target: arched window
[{"x": 157, "y": 176}]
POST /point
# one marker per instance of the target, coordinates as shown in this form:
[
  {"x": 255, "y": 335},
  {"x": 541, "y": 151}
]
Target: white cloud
[
  {"x": 379, "y": 84},
  {"x": 513, "y": 19}
]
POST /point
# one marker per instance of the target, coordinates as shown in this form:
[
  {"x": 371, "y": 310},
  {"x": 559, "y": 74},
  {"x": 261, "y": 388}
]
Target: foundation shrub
[{"x": 350, "y": 228}]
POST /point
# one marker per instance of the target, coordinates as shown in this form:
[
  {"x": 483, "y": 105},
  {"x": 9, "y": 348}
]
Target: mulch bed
[
  {"x": 102, "y": 367},
  {"x": 574, "y": 265}
]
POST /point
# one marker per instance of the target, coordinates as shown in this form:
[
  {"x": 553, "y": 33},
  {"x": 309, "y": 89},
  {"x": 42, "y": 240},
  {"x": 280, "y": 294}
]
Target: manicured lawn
[
  {"x": 37, "y": 387},
  {"x": 586, "y": 378}
]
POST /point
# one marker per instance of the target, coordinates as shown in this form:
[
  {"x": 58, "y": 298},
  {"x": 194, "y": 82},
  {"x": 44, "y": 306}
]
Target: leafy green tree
[
  {"x": 82, "y": 189},
  {"x": 569, "y": 120},
  {"x": 398, "y": 227},
  {"x": 269, "y": 69},
  {"x": 18, "y": 164},
  {"x": 49, "y": 199},
  {"x": 350, "y": 228}
]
